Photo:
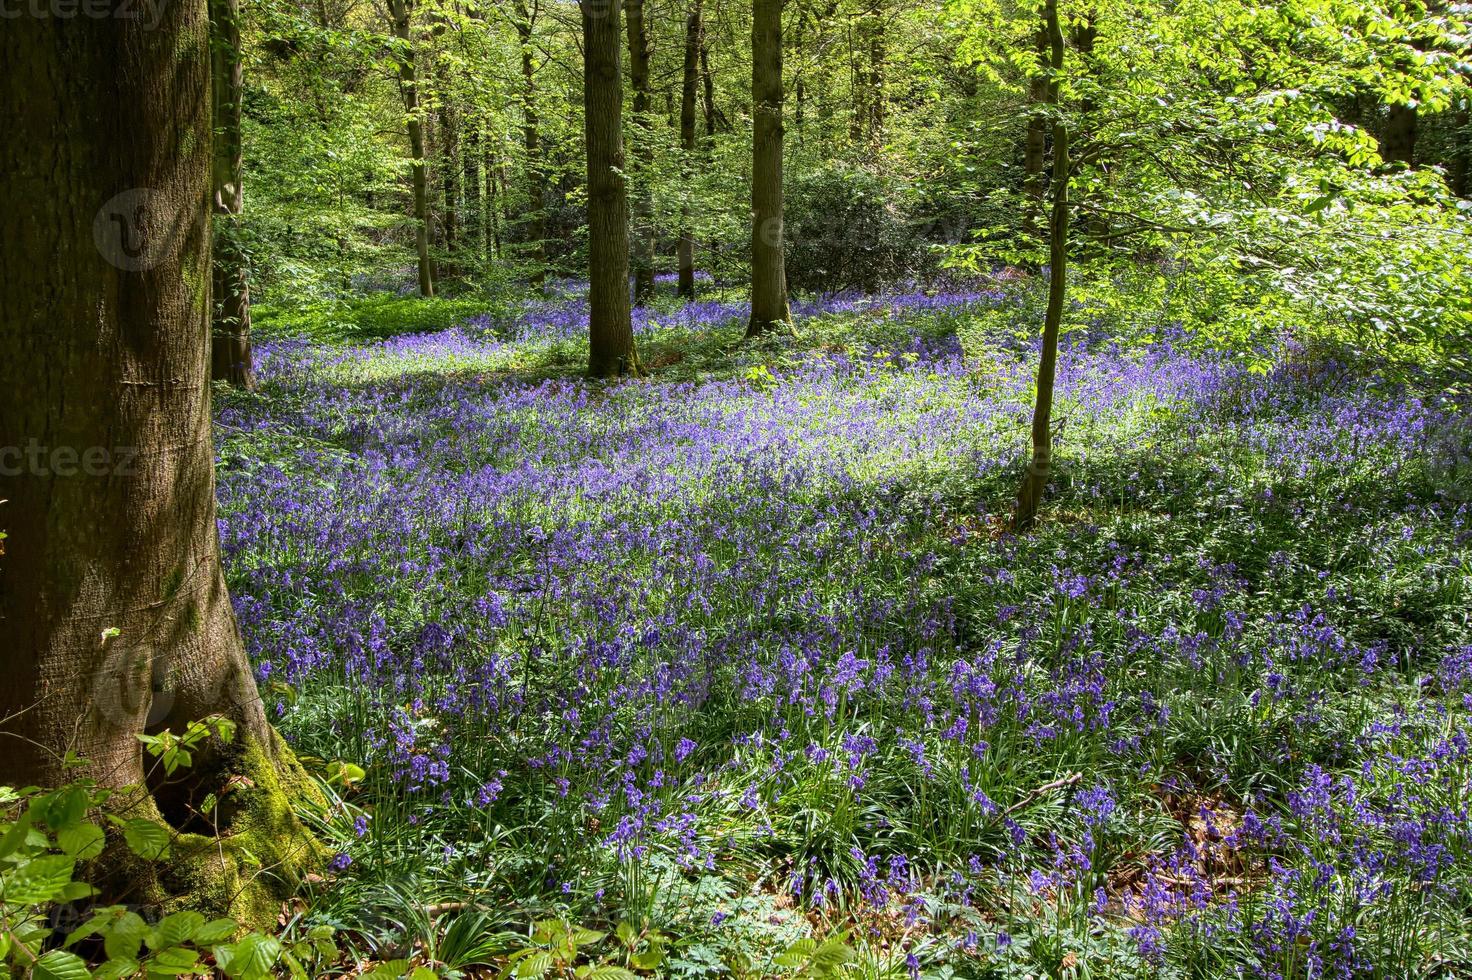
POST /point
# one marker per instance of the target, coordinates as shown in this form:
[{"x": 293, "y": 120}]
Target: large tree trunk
[
  {"x": 113, "y": 606},
  {"x": 610, "y": 328},
  {"x": 230, "y": 358},
  {"x": 690, "y": 81},
  {"x": 401, "y": 12},
  {"x": 769, "y": 307},
  {"x": 1039, "y": 471},
  {"x": 536, "y": 190},
  {"x": 640, "y": 50}
]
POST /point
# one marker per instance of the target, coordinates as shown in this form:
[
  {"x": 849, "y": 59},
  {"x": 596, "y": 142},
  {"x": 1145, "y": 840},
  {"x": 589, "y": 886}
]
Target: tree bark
[
  {"x": 640, "y": 50},
  {"x": 769, "y": 309},
  {"x": 112, "y": 601},
  {"x": 1039, "y": 471},
  {"x": 401, "y": 12},
  {"x": 536, "y": 223},
  {"x": 230, "y": 358},
  {"x": 610, "y": 328},
  {"x": 690, "y": 81}
]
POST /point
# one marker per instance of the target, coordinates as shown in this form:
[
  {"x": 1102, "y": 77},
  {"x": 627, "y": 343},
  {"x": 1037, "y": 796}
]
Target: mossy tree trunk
[
  {"x": 113, "y": 606},
  {"x": 230, "y": 358},
  {"x": 1039, "y": 470},
  {"x": 610, "y": 328},
  {"x": 689, "y": 83},
  {"x": 769, "y": 309},
  {"x": 640, "y": 50}
]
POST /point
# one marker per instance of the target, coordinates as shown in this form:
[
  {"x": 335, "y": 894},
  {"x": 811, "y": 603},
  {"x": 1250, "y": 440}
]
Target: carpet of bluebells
[{"x": 746, "y": 647}]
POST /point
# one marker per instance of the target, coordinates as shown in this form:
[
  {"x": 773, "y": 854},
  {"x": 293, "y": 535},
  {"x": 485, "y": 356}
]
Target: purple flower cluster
[{"x": 703, "y": 618}]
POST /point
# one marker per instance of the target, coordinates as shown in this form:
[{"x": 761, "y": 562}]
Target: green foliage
[
  {"x": 374, "y": 318},
  {"x": 849, "y": 228}
]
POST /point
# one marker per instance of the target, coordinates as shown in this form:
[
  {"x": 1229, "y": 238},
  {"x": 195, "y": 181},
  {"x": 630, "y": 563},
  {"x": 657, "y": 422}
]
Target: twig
[{"x": 1030, "y": 798}]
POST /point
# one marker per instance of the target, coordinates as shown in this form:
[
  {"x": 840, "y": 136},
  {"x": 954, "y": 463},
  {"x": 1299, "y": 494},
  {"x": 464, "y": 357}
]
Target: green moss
[{"x": 262, "y": 854}]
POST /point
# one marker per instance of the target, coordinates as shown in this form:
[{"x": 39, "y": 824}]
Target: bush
[{"x": 847, "y": 229}]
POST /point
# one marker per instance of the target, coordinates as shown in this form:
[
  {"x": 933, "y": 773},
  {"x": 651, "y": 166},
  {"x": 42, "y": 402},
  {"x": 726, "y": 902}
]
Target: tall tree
[
  {"x": 536, "y": 189},
  {"x": 690, "y": 80},
  {"x": 113, "y": 606},
  {"x": 640, "y": 51},
  {"x": 1039, "y": 471},
  {"x": 769, "y": 307},
  {"x": 401, "y": 14},
  {"x": 230, "y": 330},
  {"x": 610, "y": 327}
]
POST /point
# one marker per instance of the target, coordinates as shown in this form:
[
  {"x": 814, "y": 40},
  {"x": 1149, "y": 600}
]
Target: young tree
[
  {"x": 640, "y": 50},
  {"x": 1039, "y": 470},
  {"x": 231, "y": 356},
  {"x": 401, "y": 13},
  {"x": 610, "y": 328},
  {"x": 113, "y": 606},
  {"x": 769, "y": 309},
  {"x": 690, "y": 80}
]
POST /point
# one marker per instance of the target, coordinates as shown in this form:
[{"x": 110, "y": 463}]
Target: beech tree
[
  {"x": 610, "y": 327},
  {"x": 769, "y": 309},
  {"x": 113, "y": 605}
]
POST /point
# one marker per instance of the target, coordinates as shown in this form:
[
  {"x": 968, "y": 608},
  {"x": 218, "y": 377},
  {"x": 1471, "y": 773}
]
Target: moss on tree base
[{"x": 261, "y": 854}]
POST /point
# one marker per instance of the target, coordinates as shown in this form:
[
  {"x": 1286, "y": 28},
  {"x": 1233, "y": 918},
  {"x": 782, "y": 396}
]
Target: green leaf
[
  {"x": 83, "y": 841},
  {"x": 39, "y": 880},
  {"x": 534, "y": 965},
  {"x": 175, "y": 929},
  {"x": 147, "y": 838},
  {"x": 611, "y": 973},
  {"x": 389, "y": 970},
  {"x": 116, "y": 970},
  {"x": 251, "y": 958},
  {"x": 125, "y": 936},
  {"x": 216, "y": 931},
  {"x": 60, "y": 965},
  {"x": 174, "y": 962},
  {"x": 16, "y": 835}
]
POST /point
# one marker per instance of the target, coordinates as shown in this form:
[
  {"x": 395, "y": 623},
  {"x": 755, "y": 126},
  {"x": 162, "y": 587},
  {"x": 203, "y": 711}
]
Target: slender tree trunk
[
  {"x": 475, "y": 228},
  {"x": 402, "y": 12},
  {"x": 768, "y": 268},
  {"x": 1399, "y": 142},
  {"x": 449, "y": 145},
  {"x": 640, "y": 50},
  {"x": 610, "y": 328},
  {"x": 713, "y": 122},
  {"x": 230, "y": 358},
  {"x": 690, "y": 81},
  {"x": 493, "y": 214},
  {"x": 536, "y": 189},
  {"x": 1039, "y": 471}
]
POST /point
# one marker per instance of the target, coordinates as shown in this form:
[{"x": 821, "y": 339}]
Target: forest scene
[{"x": 814, "y": 489}]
